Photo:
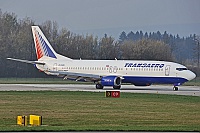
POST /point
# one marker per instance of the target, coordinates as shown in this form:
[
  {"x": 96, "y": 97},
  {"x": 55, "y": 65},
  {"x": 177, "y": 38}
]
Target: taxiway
[{"x": 156, "y": 89}]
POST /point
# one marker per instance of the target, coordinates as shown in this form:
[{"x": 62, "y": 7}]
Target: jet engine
[{"x": 111, "y": 81}]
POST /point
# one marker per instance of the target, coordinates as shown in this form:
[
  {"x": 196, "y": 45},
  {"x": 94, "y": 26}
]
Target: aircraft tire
[
  {"x": 175, "y": 88},
  {"x": 117, "y": 87},
  {"x": 99, "y": 86}
]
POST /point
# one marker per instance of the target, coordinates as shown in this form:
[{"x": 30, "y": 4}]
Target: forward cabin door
[{"x": 167, "y": 70}]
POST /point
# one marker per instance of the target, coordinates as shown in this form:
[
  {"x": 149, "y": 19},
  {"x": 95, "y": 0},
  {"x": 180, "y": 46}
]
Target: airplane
[{"x": 106, "y": 72}]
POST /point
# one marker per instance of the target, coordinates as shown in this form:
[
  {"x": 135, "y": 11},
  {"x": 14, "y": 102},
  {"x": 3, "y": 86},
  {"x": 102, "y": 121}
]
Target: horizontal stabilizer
[{"x": 27, "y": 61}]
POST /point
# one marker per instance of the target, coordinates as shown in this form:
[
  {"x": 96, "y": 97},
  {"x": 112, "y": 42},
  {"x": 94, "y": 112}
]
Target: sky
[{"x": 98, "y": 17}]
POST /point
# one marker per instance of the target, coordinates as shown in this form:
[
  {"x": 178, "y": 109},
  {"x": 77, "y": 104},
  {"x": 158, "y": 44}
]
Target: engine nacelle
[{"x": 111, "y": 81}]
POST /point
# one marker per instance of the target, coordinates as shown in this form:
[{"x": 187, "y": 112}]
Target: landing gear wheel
[
  {"x": 175, "y": 88},
  {"x": 117, "y": 87},
  {"x": 99, "y": 86}
]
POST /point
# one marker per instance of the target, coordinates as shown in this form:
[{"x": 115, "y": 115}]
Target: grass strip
[{"x": 90, "y": 111}]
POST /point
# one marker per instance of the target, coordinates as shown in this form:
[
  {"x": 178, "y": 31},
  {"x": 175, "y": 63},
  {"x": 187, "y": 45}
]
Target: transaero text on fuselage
[{"x": 144, "y": 65}]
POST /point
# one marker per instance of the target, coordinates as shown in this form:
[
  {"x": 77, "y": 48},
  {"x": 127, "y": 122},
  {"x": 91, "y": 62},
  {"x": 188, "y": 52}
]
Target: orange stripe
[{"x": 38, "y": 48}]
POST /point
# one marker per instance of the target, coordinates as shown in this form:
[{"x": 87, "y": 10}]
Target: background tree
[
  {"x": 16, "y": 41},
  {"x": 106, "y": 47},
  {"x": 146, "y": 49},
  {"x": 197, "y": 49},
  {"x": 122, "y": 37},
  {"x": 130, "y": 36}
]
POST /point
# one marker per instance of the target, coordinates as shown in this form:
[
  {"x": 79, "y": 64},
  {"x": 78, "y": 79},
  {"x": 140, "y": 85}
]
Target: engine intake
[{"x": 111, "y": 81}]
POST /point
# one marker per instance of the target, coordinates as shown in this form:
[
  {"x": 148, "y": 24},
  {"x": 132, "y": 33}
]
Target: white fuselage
[
  {"x": 121, "y": 68},
  {"x": 105, "y": 72}
]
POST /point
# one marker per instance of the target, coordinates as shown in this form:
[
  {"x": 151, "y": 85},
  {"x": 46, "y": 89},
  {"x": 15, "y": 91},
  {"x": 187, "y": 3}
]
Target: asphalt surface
[{"x": 156, "y": 89}]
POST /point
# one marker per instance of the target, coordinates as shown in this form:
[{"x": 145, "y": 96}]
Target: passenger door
[
  {"x": 167, "y": 70},
  {"x": 55, "y": 67}
]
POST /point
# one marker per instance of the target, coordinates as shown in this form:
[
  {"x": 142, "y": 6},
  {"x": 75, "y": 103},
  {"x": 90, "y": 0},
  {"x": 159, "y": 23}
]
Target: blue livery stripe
[
  {"x": 47, "y": 51},
  {"x": 150, "y": 80}
]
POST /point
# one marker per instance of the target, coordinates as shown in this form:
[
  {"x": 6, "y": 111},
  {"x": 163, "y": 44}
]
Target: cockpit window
[{"x": 181, "y": 69}]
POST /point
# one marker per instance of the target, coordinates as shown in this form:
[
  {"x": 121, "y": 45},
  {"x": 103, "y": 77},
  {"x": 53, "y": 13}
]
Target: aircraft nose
[{"x": 191, "y": 75}]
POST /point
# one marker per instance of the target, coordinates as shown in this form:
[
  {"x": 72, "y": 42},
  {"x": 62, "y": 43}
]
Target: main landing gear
[
  {"x": 175, "y": 88},
  {"x": 99, "y": 86},
  {"x": 117, "y": 87}
]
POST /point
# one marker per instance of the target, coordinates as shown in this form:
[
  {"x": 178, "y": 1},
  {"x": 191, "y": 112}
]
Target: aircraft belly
[{"x": 163, "y": 80}]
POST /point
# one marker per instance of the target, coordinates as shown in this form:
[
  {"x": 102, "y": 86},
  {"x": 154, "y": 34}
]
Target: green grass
[{"x": 89, "y": 111}]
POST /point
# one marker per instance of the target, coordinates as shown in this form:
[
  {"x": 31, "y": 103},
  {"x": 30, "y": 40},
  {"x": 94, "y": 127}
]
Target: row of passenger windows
[
  {"x": 113, "y": 68},
  {"x": 87, "y": 68},
  {"x": 145, "y": 69}
]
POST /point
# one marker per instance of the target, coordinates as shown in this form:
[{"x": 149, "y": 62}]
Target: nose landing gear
[{"x": 175, "y": 88}]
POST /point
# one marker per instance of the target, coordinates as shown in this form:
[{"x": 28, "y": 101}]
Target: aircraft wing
[
  {"x": 27, "y": 61},
  {"x": 76, "y": 76}
]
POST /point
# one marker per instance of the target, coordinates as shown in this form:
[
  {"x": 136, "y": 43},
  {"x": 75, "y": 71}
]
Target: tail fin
[
  {"x": 43, "y": 49},
  {"x": 42, "y": 45}
]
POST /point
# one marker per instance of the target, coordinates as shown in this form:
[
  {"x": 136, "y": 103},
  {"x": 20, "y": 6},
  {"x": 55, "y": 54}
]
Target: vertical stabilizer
[{"x": 42, "y": 45}]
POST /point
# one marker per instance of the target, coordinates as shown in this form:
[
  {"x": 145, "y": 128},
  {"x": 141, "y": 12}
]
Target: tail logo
[{"x": 42, "y": 49}]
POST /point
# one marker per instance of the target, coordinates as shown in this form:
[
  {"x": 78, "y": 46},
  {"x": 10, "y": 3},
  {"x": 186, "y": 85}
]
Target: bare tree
[
  {"x": 106, "y": 45},
  {"x": 146, "y": 49},
  {"x": 197, "y": 48}
]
